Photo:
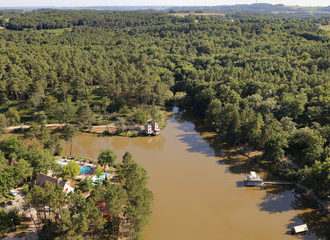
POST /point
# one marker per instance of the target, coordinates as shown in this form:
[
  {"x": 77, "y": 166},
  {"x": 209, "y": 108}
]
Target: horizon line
[{"x": 151, "y": 5}]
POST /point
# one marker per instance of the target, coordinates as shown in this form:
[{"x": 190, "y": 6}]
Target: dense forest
[{"x": 261, "y": 82}]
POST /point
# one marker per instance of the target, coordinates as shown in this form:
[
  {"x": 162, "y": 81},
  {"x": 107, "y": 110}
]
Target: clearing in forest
[{"x": 197, "y": 14}]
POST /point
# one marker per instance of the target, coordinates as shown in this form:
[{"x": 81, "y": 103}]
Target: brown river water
[{"x": 196, "y": 197}]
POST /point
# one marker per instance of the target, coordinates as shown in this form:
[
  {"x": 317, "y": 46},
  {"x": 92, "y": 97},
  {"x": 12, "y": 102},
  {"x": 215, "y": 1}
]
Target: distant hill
[{"x": 257, "y": 7}]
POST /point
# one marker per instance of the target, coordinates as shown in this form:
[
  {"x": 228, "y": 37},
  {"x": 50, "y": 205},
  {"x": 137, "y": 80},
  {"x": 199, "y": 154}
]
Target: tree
[
  {"x": 3, "y": 122},
  {"x": 86, "y": 184},
  {"x": 8, "y": 219},
  {"x": 41, "y": 160},
  {"x": 127, "y": 158},
  {"x": 98, "y": 171},
  {"x": 138, "y": 212},
  {"x": 53, "y": 144},
  {"x": 140, "y": 116},
  {"x": 135, "y": 179},
  {"x": 68, "y": 133},
  {"x": 214, "y": 111},
  {"x": 13, "y": 116},
  {"x": 116, "y": 200},
  {"x": 40, "y": 117},
  {"x": 306, "y": 146},
  {"x": 22, "y": 171},
  {"x": 121, "y": 125},
  {"x": 316, "y": 174},
  {"x": 36, "y": 198},
  {"x": 107, "y": 158},
  {"x": 85, "y": 116},
  {"x": 72, "y": 169}
]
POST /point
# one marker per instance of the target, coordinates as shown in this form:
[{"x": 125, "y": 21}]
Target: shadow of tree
[
  {"x": 318, "y": 223},
  {"x": 277, "y": 202},
  {"x": 196, "y": 144}
]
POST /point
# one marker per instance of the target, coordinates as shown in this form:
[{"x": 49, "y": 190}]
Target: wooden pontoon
[{"x": 299, "y": 229}]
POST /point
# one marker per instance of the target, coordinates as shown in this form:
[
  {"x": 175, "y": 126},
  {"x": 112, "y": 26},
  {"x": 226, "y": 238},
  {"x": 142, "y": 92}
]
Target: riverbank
[
  {"x": 243, "y": 159},
  {"x": 196, "y": 193},
  {"x": 120, "y": 128}
]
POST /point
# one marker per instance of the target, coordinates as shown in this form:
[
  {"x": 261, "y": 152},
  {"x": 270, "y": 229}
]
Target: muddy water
[{"x": 195, "y": 197}]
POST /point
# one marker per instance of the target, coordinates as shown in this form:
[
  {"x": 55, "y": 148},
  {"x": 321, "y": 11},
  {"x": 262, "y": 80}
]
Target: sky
[{"x": 70, "y": 3}]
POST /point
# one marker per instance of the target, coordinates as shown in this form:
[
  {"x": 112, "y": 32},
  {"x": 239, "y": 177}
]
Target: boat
[{"x": 253, "y": 180}]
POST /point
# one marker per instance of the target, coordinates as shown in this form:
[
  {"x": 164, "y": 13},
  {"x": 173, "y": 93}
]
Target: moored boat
[{"x": 253, "y": 180}]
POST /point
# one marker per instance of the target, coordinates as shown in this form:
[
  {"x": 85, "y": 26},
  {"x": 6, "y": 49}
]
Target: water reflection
[{"x": 195, "y": 197}]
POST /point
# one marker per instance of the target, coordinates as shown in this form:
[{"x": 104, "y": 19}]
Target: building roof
[
  {"x": 42, "y": 178},
  {"x": 300, "y": 228}
]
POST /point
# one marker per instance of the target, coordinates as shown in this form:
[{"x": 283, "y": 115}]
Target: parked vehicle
[{"x": 13, "y": 193}]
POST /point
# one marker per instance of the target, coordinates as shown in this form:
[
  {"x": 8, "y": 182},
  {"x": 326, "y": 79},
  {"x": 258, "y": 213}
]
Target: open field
[
  {"x": 197, "y": 14},
  {"x": 326, "y": 28}
]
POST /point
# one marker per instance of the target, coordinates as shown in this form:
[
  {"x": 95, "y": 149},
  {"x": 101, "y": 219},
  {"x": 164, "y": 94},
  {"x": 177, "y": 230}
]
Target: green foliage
[
  {"x": 98, "y": 171},
  {"x": 85, "y": 116},
  {"x": 127, "y": 158},
  {"x": 116, "y": 199},
  {"x": 140, "y": 116},
  {"x": 258, "y": 81},
  {"x": 68, "y": 132},
  {"x": 9, "y": 219},
  {"x": 86, "y": 184},
  {"x": 72, "y": 169},
  {"x": 19, "y": 163},
  {"x": 40, "y": 117},
  {"x": 13, "y": 116},
  {"x": 107, "y": 158},
  {"x": 3, "y": 122},
  {"x": 306, "y": 146},
  {"x": 317, "y": 177},
  {"x": 54, "y": 145}
]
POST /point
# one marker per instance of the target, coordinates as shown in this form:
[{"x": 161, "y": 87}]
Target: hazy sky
[{"x": 14, "y": 3}]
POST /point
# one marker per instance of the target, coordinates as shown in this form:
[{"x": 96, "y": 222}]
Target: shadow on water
[
  {"x": 278, "y": 199},
  {"x": 196, "y": 144}
]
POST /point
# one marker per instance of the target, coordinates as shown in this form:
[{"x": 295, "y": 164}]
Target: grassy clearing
[
  {"x": 197, "y": 14},
  {"x": 326, "y": 28}
]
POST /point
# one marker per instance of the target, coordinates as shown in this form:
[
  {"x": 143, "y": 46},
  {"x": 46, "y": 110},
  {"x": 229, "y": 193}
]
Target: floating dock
[
  {"x": 278, "y": 183},
  {"x": 254, "y": 180}
]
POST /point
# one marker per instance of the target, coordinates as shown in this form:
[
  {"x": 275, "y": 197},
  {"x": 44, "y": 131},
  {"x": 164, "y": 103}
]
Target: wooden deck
[{"x": 278, "y": 183}]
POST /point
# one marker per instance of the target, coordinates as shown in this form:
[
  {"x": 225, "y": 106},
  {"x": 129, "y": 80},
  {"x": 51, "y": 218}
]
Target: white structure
[
  {"x": 253, "y": 180},
  {"x": 155, "y": 128},
  {"x": 42, "y": 178},
  {"x": 299, "y": 229},
  {"x": 148, "y": 129}
]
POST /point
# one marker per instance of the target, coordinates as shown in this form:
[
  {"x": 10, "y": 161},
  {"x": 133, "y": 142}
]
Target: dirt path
[{"x": 97, "y": 128}]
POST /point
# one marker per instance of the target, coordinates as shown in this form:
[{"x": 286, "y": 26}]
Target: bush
[
  {"x": 140, "y": 116},
  {"x": 86, "y": 184},
  {"x": 7, "y": 220}
]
